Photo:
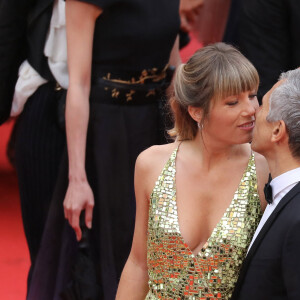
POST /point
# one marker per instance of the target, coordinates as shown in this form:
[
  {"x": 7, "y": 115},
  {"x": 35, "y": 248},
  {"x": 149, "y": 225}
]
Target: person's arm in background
[
  {"x": 134, "y": 280},
  {"x": 175, "y": 59},
  {"x": 80, "y": 22},
  {"x": 189, "y": 11},
  {"x": 13, "y": 22}
]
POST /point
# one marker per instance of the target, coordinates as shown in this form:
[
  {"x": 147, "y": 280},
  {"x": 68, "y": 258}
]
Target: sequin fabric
[{"x": 174, "y": 271}]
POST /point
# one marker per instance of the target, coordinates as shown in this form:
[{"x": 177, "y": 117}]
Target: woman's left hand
[{"x": 79, "y": 197}]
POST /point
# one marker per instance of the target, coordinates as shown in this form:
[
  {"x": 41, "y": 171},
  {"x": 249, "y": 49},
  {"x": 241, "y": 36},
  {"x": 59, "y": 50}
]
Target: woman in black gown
[{"x": 118, "y": 53}]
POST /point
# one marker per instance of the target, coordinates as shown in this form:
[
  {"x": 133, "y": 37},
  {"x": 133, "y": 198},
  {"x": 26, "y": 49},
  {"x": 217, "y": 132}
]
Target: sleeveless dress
[
  {"x": 174, "y": 271},
  {"x": 133, "y": 40}
]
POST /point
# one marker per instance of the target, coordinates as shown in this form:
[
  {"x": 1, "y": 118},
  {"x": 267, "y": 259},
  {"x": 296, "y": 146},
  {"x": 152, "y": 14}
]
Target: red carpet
[
  {"x": 14, "y": 256},
  {"x": 190, "y": 49}
]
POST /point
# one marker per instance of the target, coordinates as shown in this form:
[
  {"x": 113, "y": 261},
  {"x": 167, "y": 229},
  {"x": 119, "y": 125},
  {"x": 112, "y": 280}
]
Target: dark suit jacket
[
  {"x": 231, "y": 33},
  {"x": 268, "y": 35},
  {"x": 23, "y": 30},
  {"x": 271, "y": 270}
]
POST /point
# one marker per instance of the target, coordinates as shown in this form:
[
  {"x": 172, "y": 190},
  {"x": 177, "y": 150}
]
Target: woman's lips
[{"x": 247, "y": 126}]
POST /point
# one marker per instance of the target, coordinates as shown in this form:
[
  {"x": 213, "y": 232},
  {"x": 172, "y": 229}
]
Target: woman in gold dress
[{"x": 200, "y": 199}]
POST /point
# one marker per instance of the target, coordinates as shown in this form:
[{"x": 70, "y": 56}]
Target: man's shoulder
[{"x": 292, "y": 208}]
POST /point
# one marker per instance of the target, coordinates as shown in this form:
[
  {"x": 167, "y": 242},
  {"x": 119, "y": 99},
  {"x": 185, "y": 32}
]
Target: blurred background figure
[
  {"x": 265, "y": 31},
  {"x": 268, "y": 35},
  {"x": 205, "y": 19},
  {"x": 212, "y": 18},
  {"x": 189, "y": 13},
  {"x": 32, "y": 62},
  {"x": 230, "y": 35},
  {"x": 119, "y": 66}
]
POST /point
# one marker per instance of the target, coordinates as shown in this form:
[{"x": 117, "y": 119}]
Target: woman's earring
[{"x": 200, "y": 126}]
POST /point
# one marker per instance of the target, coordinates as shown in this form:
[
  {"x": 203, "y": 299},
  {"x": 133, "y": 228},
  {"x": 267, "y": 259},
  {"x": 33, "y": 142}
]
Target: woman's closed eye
[
  {"x": 252, "y": 96},
  {"x": 232, "y": 103}
]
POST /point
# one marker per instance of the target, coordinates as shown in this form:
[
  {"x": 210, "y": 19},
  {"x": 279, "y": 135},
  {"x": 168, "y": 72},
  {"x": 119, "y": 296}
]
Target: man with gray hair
[{"x": 271, "y": 269}]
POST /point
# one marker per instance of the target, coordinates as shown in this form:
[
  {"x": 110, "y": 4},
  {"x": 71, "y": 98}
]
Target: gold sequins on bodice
[{"x": 174, "y": 271}]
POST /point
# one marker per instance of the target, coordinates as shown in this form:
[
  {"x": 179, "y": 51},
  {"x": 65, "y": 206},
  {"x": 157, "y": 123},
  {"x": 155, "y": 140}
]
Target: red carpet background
[{"x": 14, "y": 256}]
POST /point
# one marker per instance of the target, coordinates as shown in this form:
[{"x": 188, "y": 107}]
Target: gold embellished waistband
[
  {"x": 148, "y": 83},
  {"x": 151, "y": 74}
]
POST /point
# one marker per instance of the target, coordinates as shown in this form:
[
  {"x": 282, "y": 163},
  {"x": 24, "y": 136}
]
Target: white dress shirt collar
[
  {"x": 284, "y": 180},
  {"x": 281, "y": 185}
]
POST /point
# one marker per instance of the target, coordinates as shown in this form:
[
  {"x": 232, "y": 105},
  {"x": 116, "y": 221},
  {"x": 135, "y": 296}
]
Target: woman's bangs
[{"x": 235, "y": 80}]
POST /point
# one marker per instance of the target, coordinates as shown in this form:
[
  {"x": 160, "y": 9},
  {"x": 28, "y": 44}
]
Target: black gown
[{"x": 132, "y": 44}]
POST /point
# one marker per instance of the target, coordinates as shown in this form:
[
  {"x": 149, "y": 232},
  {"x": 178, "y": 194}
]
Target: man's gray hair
[{"x": 284, "y": 105}]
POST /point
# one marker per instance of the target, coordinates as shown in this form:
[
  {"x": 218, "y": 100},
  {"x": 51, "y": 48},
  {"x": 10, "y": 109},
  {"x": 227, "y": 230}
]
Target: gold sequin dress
[{"x": 174, "y": 271}]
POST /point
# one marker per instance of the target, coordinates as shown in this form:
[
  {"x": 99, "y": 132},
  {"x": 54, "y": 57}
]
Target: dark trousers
[{"x": 38, "y": 144}]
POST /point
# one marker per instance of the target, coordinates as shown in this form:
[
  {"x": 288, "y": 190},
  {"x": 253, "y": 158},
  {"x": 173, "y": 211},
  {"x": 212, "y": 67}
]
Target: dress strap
[
  {"x": 169, "y": 165},
  {"x": 172, "y": 159}
]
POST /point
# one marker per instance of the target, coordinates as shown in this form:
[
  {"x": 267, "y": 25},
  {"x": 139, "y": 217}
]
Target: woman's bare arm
[
  {"x": 80, "y": 22},
  {"x": 134, "y": 280},
  {"x": 175, "y": 59}
]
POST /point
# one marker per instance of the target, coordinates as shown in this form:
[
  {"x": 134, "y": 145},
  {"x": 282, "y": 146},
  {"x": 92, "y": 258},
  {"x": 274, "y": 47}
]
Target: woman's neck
[{"x": 210, "y": 154}]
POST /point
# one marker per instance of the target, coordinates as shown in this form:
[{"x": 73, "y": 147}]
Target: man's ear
[
  {"x": 196, "y": 113},
  {"x": 279, "y": 132}
]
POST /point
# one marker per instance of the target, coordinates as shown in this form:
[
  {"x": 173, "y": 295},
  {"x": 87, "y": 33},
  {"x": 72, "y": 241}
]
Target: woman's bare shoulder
[
  {"x": 155, "y": 156},
  {"x": 150, "y": 163}
]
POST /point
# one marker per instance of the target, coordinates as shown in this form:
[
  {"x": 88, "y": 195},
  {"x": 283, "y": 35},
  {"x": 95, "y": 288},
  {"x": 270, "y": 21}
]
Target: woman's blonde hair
[{"x": 212, "y": 73}]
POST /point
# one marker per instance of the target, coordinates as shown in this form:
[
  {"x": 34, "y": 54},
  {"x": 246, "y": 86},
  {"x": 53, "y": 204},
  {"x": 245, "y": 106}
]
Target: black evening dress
[{"x": 132, "y": 44}]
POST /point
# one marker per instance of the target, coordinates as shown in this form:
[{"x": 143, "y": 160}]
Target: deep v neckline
[{"x": 205, "y": 245}]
